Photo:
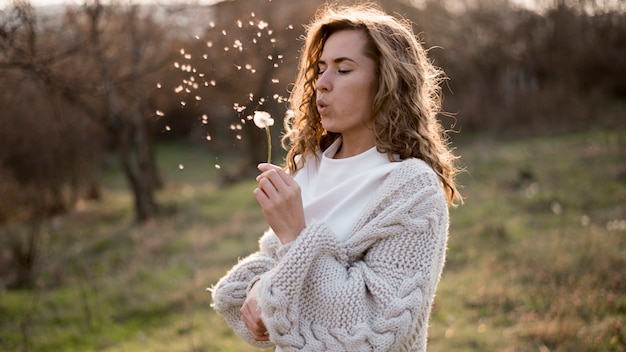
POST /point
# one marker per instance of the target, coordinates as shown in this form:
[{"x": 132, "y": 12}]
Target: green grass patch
[{"x": 535, "y": 262}]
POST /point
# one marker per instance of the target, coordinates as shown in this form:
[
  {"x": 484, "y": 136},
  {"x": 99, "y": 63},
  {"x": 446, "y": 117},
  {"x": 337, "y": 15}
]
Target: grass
[{"x": 535, "y": 262}]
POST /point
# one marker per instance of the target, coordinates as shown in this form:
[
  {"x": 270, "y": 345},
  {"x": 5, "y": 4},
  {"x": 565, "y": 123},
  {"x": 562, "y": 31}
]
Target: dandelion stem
[{"x": 269, "y": 144}]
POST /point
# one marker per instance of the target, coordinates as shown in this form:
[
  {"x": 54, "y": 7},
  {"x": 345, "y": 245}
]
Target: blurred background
[{"x": 127, "y": 161}]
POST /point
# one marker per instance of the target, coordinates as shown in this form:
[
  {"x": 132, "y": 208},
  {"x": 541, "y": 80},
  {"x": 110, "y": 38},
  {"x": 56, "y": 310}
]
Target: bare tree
[{"x": 100, "y": 63}]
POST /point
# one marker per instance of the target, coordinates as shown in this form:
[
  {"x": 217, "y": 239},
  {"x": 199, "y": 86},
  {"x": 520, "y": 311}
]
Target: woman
[{"x": 359, "y": 221}]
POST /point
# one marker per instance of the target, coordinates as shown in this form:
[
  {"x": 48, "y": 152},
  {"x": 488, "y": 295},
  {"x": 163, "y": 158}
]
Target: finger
[
  {"x": 253, "y": 323},
  {"x": 264, "y": 167},
  {"x": 269, "y": 187}
]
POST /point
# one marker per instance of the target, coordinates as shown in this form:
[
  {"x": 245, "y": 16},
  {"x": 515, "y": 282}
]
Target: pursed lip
[{"x": 321, "y": 105}]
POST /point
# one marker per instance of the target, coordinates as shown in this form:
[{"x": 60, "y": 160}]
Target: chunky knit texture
[{"x": 372, "y": 292}]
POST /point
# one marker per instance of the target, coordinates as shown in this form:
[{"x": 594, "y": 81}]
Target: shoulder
[{"x": 412, "y": 168}]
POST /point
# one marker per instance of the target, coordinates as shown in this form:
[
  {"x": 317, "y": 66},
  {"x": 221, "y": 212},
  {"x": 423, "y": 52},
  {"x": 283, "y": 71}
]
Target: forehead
[{"x": 344, "y": 44}]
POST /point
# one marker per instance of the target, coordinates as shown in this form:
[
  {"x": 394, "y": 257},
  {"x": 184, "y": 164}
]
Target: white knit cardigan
[{"x": 372, "y": 292}]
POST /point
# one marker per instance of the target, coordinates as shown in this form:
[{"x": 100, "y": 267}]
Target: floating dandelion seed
[
  {"x": 239, "y": 23},
  {"x": 262, "y": 25},
  {"x": 238, "y": 137},
  {"x": 217, "y": 166},
  {"x": 182, "y": 103},
  {"x": 159, "y": 85},
  {"x": 290, "y": 26},
  {"x": 160, "y": 113},
  {"x": 168, "y": 128},
  {"x": 181, "y": 166},
  {"x": 178, "y": 89},
  {"x": 263, "y": 119},
  {"x": 209, "y": 44},
  {"x": 176, "y": 64},
  {"x": 212, "y": 24},
  {"x": 197, "y": 37},
  {"x": 182, "y": 51},
  {"x": 275, "y": 80},
  {"x": 198, "y": 98},
  {"x": 212, "y": 82},
  {"x": 223, "y": 31},
  {"x": 208, "y": 137}
]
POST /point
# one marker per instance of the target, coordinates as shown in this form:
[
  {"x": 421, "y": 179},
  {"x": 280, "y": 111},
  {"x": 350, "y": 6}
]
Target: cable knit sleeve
[
  {"x": 230, "y": 291},
  {"x": 373, "y": 292}
]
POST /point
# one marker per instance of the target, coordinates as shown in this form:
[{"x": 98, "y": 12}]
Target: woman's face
[{"x": 346, "y": 85}]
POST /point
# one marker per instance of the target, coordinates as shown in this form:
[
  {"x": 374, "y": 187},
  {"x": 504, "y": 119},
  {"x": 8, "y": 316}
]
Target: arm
[
  {"x": 372, "y": 293},
  {"x": 230, "y": 292}
]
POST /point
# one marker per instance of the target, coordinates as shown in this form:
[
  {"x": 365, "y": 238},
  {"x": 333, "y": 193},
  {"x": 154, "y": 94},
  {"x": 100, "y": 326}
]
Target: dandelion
[{"x": 263, "y": 119}]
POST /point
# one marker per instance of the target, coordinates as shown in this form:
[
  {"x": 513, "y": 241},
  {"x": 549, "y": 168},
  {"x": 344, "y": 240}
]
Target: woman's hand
[
  {"x": 251, "y": 316},
  {"x": 281, "y": 202}
]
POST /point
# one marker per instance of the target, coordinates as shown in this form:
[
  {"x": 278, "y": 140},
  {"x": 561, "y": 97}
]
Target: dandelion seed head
[{"x": 263, "y": 119}]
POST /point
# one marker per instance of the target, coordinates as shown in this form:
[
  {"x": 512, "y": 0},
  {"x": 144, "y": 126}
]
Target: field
[{"x": 536, "y": 257}]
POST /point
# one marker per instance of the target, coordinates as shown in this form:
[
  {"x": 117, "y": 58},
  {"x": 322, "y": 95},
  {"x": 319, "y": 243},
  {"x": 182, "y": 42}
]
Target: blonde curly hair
[{"x": 406, "y": 103}]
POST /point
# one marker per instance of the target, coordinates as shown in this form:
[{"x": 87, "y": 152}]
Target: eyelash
[{"x": 319, "y": 72}]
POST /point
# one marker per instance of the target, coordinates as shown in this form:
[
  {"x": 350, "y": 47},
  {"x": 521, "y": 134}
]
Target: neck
[{"x": 353, "y": 146}]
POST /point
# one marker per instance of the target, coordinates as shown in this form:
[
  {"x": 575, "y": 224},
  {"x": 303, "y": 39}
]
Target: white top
[{"x": 336, "y": 191}]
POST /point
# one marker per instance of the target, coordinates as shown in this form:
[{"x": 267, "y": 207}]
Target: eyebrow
[{"x": 337, "y": 60}]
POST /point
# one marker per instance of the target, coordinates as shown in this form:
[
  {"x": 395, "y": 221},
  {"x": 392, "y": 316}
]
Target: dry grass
[{"x": 535, "y": 263}]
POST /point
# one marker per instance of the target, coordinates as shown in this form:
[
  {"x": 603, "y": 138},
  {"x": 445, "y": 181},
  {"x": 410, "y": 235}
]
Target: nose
[{"x": 323, "y": 83}]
